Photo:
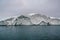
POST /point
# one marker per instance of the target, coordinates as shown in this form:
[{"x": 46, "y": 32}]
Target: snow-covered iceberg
[{"x": 31, "y": 19}]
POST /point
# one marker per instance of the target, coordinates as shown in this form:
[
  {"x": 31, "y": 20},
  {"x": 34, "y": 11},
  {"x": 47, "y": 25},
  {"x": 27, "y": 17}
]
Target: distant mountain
[{"x": 31, "y": 19}]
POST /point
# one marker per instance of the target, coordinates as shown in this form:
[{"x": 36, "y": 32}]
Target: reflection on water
[{"x": 29, "y": 32}]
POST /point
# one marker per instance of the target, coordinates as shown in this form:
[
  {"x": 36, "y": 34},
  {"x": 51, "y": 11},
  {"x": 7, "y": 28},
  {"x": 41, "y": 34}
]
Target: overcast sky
[{"x": 17, "y": 7}]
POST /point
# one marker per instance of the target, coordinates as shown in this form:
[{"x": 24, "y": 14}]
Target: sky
[{"x": 9, "y": 8}]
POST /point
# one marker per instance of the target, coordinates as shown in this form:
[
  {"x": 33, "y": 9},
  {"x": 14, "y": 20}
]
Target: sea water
[{"x": 29, "y": 32}]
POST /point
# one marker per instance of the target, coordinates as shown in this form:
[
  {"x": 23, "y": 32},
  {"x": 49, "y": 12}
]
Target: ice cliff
[{"x": 31, "y": 19}]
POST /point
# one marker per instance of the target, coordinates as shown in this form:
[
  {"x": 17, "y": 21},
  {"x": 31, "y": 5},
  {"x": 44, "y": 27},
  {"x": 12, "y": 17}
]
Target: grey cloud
[{"x": 18, "y": 7}]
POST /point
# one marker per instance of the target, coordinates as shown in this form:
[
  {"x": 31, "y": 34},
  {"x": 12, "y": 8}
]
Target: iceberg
[{"x": 31, "y": 19}]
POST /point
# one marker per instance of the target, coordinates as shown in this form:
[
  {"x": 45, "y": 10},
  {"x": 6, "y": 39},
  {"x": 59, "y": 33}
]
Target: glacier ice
[{"x": 31, "y": 19}]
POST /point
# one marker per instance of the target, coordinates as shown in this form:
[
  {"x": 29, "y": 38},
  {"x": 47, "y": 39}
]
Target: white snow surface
[{"x": 33, "y": 19}]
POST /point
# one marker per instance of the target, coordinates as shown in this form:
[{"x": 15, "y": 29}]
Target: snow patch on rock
[{"x": 31, "y": 19}]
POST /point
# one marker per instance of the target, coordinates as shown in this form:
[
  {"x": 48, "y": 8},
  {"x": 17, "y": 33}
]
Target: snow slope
[{"x": 31, "y": 19}]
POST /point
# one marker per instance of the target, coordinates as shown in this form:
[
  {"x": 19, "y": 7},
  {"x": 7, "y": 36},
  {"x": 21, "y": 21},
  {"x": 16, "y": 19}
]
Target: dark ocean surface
[{"x": 29, "y": 32}]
